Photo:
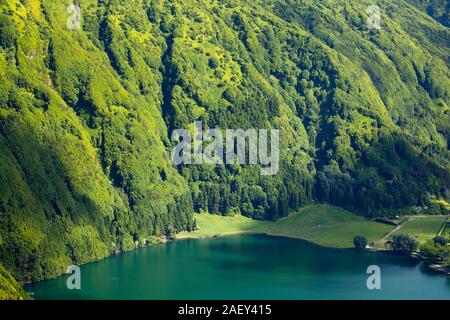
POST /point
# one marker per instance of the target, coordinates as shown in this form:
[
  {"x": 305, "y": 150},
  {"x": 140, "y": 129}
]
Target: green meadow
[
  {"x": 423, "y": 228},
  {"x": 320, "y": 224}
]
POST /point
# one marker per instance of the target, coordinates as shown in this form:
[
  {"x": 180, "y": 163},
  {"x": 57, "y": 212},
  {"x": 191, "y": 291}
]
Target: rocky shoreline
[{"x": 432, "y": 264}]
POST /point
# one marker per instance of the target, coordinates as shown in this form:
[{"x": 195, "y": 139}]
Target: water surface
[{"x": 248, "y": 267}]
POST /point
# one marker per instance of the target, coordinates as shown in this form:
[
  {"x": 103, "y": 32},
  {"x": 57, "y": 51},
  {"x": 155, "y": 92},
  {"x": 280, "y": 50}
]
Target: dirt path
[
  {"x": 443, "y": 226},
  {"x": 383, "y": 240}
]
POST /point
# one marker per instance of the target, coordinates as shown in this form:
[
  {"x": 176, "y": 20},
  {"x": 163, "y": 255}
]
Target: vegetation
[
  {"x": 446, "y": 231},
  {"x": 403, "y": 243},
  {"x": 86, "y": 118},
  {"x": 436, "y": 251},
  {"x": 360, "y": 242},
  {"x": 321, "y": 224},
  {"x": 423, "y": 228},
  {"x": 9, "y": 289},
  {"x": 438, "y": 9},
  {"x": 438, "y": 248},
  {"x": 440, "y": 240}
]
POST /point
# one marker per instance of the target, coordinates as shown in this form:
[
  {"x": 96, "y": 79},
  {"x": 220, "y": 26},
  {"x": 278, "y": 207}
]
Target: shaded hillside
[
  {"x": 438, "y": 9},
  {"x": 86, "y": 117}
]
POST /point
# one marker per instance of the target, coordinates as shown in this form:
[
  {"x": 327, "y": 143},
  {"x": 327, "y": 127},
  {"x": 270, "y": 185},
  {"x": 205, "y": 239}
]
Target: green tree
[
  {"x": 434, "y": 250},
  {"x": 8, "y": 32},
  {"x": 213, "y": 62},
  {"x": 360, "y": 242},
  {"x": 404, "y": 243}
]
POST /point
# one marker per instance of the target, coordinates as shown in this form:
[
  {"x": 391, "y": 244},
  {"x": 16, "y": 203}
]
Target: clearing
[{"x": 321, "y": 224}]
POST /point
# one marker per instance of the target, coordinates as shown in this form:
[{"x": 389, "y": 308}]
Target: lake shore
[
  {"x": 246, "y": 267},
  {"x": 324, "y": 225}
]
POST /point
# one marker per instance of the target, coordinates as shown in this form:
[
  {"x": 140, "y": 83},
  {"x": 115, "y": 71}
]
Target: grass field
[
  {"x": 422, "y": 228},
  {"x": 321, "y": 224}
]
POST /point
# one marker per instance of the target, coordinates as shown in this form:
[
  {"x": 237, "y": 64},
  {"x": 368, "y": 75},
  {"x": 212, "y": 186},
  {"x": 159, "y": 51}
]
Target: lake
[{"x": 248, "y": 267}]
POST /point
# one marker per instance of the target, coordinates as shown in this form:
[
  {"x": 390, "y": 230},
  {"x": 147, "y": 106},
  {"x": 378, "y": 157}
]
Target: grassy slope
[
  {"x": 423, "y": 228},
  {"x": 322, "y": 224}
]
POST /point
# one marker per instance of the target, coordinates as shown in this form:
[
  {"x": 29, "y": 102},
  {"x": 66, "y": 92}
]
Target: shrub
[
  {"x": 443, "y": 241},
  {"x": 213, "y": 62}
]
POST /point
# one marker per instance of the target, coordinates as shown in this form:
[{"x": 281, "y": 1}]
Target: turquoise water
[{"x": 248, "y": 267}]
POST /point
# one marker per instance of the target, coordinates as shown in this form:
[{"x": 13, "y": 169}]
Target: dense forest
[
  {"x": 86, "y": 116},
  {"x": 438, "y": 9}
]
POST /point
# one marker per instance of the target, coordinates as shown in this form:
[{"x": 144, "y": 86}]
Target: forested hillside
[
  {"x": 438, "y": 9},
  {"x": 86, "y": 117}
]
